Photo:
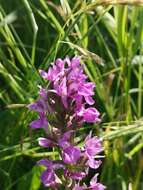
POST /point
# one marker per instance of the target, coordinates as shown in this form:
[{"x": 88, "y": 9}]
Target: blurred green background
[{"x": 33, "y": 33}]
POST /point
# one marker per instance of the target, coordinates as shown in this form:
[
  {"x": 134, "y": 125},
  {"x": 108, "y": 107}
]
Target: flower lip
[
  {"x": 92, "y": 146},
  {"x": 90, "y": 115},
  {"x": 96, "y": 186},
  {"x": 92, "y": 163},
  {"x": 48, "y": 178},
  {"x": 71, "y": 155},
  {"x": 39, "y": 106},
  {"x": 39, "y": 123}
]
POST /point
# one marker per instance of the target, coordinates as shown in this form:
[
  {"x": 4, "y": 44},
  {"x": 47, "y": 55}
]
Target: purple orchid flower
[
  {"x": 74, "y": 175},
  {"x": 64, "y": 140},
  {"x": 90, "y": 115},
  {"x": 40, "y": 123},
  {"x": 39, "y": 106},
  {"x": 49, "y": 177},
  {"x": 44, "y": 142},
  {"x": 92, "y": 146},
  {"x": 71, "y": 155},
  {"x": 96, "y": 186},
  {"x": 94, "y": 164}
]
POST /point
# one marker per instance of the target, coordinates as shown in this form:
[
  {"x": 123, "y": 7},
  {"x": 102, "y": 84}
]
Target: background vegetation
[{"x": 109, "y": 38}]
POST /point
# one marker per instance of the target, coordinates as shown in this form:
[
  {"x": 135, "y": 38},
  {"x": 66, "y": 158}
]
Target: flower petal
[
  {"x": 94, "y": 163},
  {"x": 48, "y": 178},
  {"x": 46, "y": 162},
  {"x": 45, "y": 142},
  {"x": 71, "y": 155}
]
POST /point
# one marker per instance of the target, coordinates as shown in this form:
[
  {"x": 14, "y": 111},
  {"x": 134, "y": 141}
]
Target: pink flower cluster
[{"x": 63, "y": 106}]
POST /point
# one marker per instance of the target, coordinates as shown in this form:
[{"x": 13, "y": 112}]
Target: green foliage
[{"x": 109, "y": 39}]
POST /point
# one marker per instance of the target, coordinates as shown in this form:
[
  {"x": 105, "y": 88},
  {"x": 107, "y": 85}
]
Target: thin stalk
[{"x": 34, "y": 27}]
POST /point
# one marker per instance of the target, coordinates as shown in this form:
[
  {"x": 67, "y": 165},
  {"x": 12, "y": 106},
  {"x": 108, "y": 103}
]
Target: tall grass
[{"x": 109, "y": 38}]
